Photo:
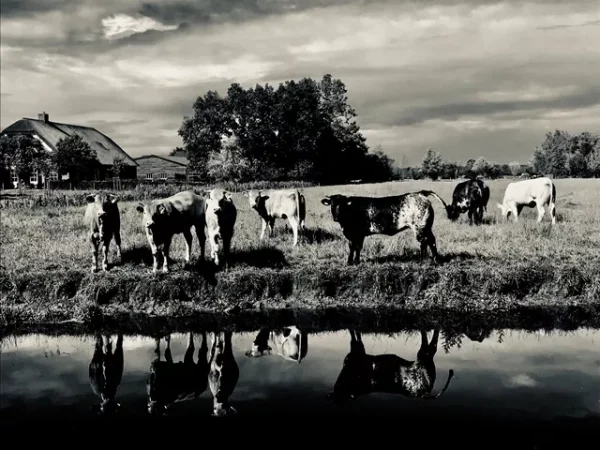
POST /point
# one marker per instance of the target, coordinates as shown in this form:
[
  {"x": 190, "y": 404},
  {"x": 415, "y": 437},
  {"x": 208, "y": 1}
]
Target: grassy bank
[{"x": 497, "y": 268}]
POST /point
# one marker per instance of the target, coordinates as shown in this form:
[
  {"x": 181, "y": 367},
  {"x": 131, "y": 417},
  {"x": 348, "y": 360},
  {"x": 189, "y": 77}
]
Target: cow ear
[
  {"x": 227, "y": 195},
  {"x": 161, "y": 209},
  {"x": 90, "y": 198},
  {"x": 114, "y": 198},
  {"x": 326, "y": 201},
  {"x": 139, "y": 208}
]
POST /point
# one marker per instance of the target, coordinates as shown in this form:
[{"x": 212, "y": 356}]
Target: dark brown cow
[
  {"x": 470, "y": 196},
  {"x": 169, "y": 382},
  {"x": 360, "y": 217},
  {"x": 105, "y": 373},
  {"x": 364, "y": 374},
  {"x": 224, "y": 374},
  {"x": 104, "y": 221}
]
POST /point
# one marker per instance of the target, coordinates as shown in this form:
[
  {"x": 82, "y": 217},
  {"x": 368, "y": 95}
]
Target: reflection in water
[
  {"x": 289, "y": 342},
  {"x": 106, "y": 371},
  {"x": 170, "y": 382},
  {"x": 499, "y": 374},
  {"x": 388, "y": 373},
  {"x": 224, "y": 373}
]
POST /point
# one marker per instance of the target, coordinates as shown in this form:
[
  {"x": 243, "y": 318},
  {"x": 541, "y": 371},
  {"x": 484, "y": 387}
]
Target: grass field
[{"x": 46, "y": 261}]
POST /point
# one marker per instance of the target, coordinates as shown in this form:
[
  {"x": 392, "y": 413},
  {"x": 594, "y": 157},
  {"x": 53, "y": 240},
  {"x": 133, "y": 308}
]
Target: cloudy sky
[{"x": 466, "y": 78}]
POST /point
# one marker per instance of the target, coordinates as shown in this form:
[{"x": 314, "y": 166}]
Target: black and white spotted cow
[
  {"x": 363, "y": 374},
  {"x": 470, "y": 196},
  {"x": 223, "y": 375},
  {"x": 169, "y": 382},
  {"x": 290, "y": 343},
  {"x": 106, "y": 372},
  {"x": 360, "y": 217}
]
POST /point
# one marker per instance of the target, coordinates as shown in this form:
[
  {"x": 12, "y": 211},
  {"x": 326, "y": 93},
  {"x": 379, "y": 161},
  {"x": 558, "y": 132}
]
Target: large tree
[
  {"x": 75, "y": 157},
  {"x": 24, "y": 154}
]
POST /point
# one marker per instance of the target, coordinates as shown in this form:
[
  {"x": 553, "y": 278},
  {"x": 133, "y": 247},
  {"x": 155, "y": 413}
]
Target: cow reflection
[
  {"x": 170, "y": 382},
  {"x": 387, "y": 373},
  {"x": 224, "y": 373},
  {"x": 105, "y": 372},
  {"x": 288, "y": 342}
]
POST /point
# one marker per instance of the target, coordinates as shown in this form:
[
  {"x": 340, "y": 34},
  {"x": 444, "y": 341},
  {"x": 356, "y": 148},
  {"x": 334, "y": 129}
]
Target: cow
[
  {"x": 536, "y": 192},
  {"x": 104, "y": 221},
  {"x": 279, "y": 204},
  {"x": 105, "y": 373},
  {"x": 360, "y": 217},
  {"x": 223, "y": 374},
  {"x": 169, "y": 382},
  {"x": 289, "y": 342},
  {"x": 388, "y": 373},
  {"x": 469, "y": 196},
  {"x": 164, "y": 218},
  {"x": 221, "y": 215}
]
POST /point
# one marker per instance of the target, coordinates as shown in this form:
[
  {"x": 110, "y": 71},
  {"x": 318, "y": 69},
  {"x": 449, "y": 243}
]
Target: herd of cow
[
  {"x": 213, "y": 214},
  {"x": 169, "y": 382}
]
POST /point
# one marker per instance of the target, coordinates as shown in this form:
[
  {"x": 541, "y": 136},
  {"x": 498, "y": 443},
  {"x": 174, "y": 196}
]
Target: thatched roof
[{"x": 51, "y": 132}]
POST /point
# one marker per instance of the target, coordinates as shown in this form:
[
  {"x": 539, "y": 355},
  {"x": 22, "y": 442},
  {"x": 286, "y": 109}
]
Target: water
[{"x": 512, "y": 375}]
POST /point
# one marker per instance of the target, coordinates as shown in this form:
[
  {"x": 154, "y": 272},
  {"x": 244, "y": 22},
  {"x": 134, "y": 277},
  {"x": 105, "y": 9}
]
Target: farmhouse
[
  {"x": 165, "y": 168},
  {"x": 49, "y": 133}
]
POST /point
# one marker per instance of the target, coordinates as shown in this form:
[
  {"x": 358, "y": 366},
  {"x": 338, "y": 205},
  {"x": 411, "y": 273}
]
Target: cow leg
[
  {"x": 516, "y": 210},
  {"x": 271, "y": 226},
  {"x": 226, "y": 249},
  {"x": 168, "y": 355},
  {"x": 263, "y": 228},
  {"x": 201, "y": 241},
  {"x": 105, "y": 254},
  {"x": 154, "y": 250},
  {"x": 189, "y": 351},
  {"x": 470, "y": 215},
  {"x": 95, "y": 242},
  {"x": 187, "y": 234},
  {"x": 541, "y": 211},
  {"x": 351, "y": 253},
  {"x": 358, "y": 244},
  {"x": 203, "y": 350},
  {"x": 118, "y": 243},
  {"x": 294, "y": 224},
  {"x": 165, "y": 254}
]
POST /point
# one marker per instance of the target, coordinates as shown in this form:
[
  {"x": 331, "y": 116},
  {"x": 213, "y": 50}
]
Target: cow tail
[
  {"x": 434, "y": 396},
  {"x": 428, "y": 193},
  {"x": 298, "y": 207}
]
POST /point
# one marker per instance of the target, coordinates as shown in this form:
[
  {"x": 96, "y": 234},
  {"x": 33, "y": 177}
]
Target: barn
[
  {"x": 49, "y": 133},
  {"x": 165, "y": 167}
]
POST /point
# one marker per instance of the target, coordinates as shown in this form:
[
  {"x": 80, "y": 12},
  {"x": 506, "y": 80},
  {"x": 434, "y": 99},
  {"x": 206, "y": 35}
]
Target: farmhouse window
[
  {"x": 33, "y": 178},
  {"x": 162, "y": 176},
  {"x": 148, "y": 176},
  {"x": 53, "y": 176},
  {"x": 14, "y": 177}
]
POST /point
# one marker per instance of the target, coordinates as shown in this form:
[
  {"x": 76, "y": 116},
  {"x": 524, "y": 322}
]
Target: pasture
[{"x": 46, "y": 258}]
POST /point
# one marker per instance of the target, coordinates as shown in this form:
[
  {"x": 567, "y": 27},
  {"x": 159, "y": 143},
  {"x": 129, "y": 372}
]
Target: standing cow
[
  {"x": 221, "y": 215},
  {"x": 279, "y": 204},
  {"x": 169, "y": 382},
  {"x": 223, "y": 374},
  {"x": 104, "y": 221},
  {"x": 290, "y": 343},
  {"x": 536, "y": 192},
  {"x": 470, "y": 196},
  {"x": 388, "y": 373},
  {"x": 105, "y": 373},
  {"x": 360, "y": 217},
  {"x": 167, "y": 217}
]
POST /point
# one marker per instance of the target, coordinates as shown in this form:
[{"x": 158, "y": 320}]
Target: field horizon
[{"x": 497, "y": 267}]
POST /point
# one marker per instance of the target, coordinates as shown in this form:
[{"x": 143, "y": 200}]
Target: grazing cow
[
  {"x": 360, "y": 217},
  {"x": 223, "y": 375},
  {"x": 469, "y": 196},
  {"x": 279, "y": 204},
  {"x": 169, "y": 383},
  {"x": 221, "y": 215},
  {"x": 104, "y": 221},
  {"x": 289, "y": 342},
  {"x": 167, "y": 217},
  {"x": 105, "y": 373},
  {"x": 540, "y": 192},
  {"x": 388, "y": 373}
]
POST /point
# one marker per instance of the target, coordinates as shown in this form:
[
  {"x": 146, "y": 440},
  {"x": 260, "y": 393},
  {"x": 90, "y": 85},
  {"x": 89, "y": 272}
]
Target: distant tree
[
  {"x": 228, "y": 164},
  {"x": 118, "y": 166},
  {"x": 74, "y": 156},
  {"x": 176, "y": 150},
  {"x": 515, "y": 168},
  {"x": 24, "y": 154},
  {"x": 481, "y": 166},
  {"x": 432, "y": 165}
]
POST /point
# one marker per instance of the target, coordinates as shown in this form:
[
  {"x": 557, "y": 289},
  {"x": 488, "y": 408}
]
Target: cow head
[
  {"x": 340, "y": 205},
  {"x": 453, "y": 212},
  {"x": 155, "y": 215},
  {"x": 104, "y": 206},
  {"x": 258, "y": 201}
]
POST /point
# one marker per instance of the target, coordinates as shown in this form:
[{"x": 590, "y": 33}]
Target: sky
[{"x": 467, "y": 78}]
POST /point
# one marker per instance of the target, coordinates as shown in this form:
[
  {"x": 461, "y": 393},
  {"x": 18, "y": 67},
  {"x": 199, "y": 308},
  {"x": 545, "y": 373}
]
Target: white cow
[
  {"x": 540, "y": 192},
  {"x": 279, "y": 204},
  {"x": 289, "y": 342}
]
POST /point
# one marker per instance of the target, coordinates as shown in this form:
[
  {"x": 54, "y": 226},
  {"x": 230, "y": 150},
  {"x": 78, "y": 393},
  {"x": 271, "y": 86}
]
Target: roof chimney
[{"x": 43, "y": 116}]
